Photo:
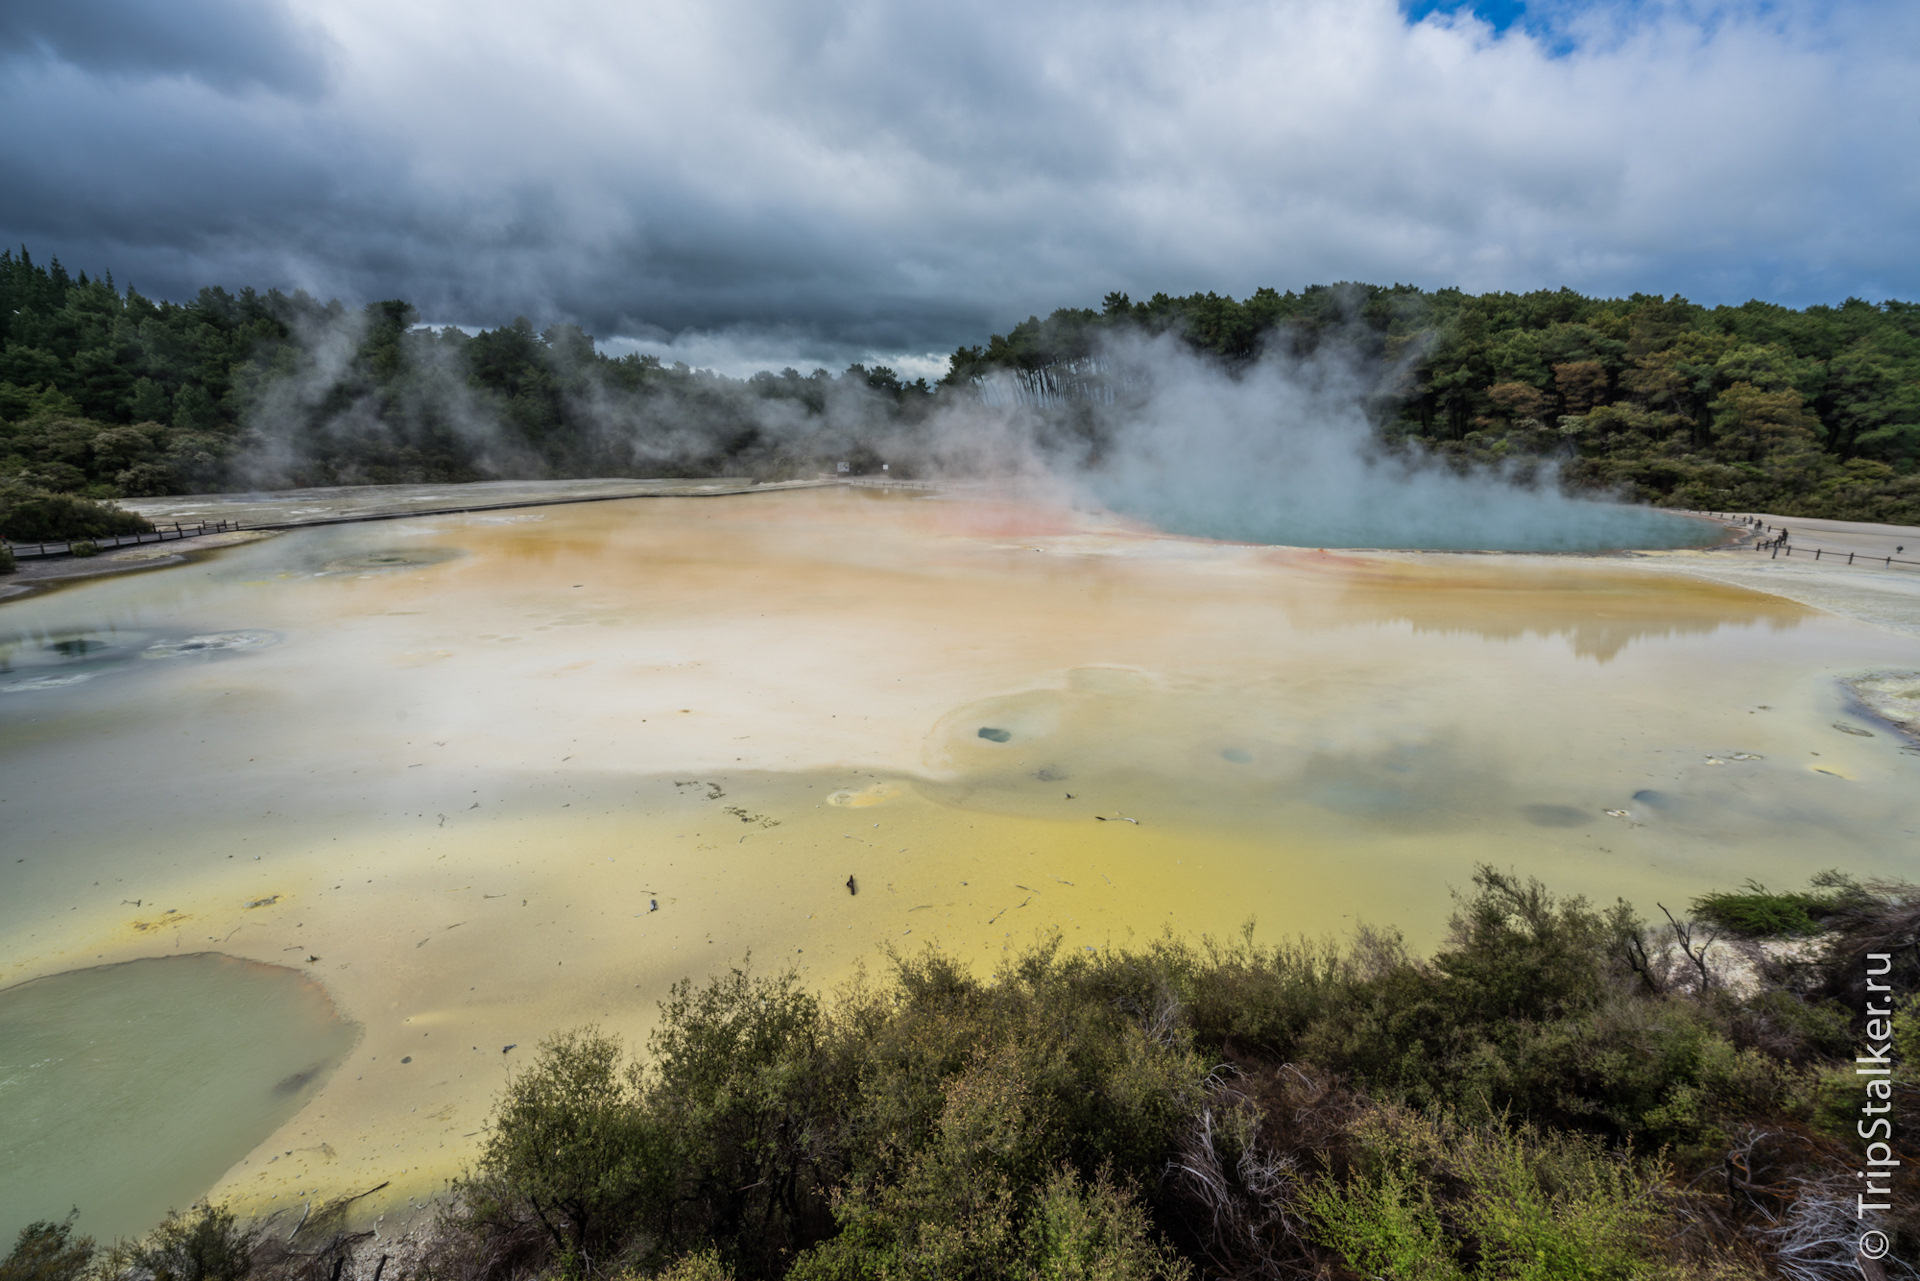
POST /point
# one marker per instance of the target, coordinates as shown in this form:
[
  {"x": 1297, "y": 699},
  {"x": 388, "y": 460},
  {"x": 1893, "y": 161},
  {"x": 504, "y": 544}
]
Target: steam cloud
[
  {"x": 325, "y": 418},
  {"x": 1280, "y": 452},
  {"x": 1285, "y": 453}
]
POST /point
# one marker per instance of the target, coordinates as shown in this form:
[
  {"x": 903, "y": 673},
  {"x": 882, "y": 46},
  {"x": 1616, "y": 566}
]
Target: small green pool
[{"x": 128, "y": 1090}]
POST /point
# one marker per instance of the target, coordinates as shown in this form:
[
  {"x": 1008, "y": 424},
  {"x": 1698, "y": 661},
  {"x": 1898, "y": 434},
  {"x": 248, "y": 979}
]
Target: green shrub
[
  {"x": 1881, "y": 918},
  {"x": 1906, "y": 1037},
  {"x": 1385, "y": 1225},
  {"x": 7, "y": 564},
  {"x": 1754, "y": 911},
  {"x": 1793, "y": 1028},
  {"x": 206, "y": 1244},
  {"x": 34, "y": 516},
  {"x": 1831, "y": 1102},
  {"x": 954, "y": 1209},
  {"x": 46, "y": 1251},
  {"x": 1491, "y": 1020},
  {"x": 741, "y": 1084},
  {"x": 1079, "y": 1231},
  {"x": 706, "y": 1265},
  {"x": 1266, "y": 997},
  {"x": 1098, "y": 1042},
  {"x": 955, "y": 1218},
  {"x": 83, "y": 548},
  {"x": 947, "y": 1105},
  {"x": 569, "y": 1148},
  {"x": 1432, "y": 1200},
  {"x": 1517, "y": 952}
]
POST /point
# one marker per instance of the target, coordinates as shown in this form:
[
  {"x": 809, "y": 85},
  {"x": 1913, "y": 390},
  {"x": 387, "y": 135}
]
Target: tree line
[
  {"x": 105, "y": 393},
  {"x": 1759, "y": 407}
]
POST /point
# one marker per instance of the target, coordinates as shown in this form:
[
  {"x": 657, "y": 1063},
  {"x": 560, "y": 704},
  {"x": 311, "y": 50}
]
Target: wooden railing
[
  {"x": 161, "y": 534},
  {"x": 1781, "y": 544}
]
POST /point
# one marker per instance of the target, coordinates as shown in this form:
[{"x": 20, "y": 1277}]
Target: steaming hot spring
[{"x": 375, "y": 801}]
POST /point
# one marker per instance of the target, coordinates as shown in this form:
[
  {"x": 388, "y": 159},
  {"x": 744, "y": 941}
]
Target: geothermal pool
[
  {"x": 477, "y": 778},
  {"x": 123, "y": 1084}
]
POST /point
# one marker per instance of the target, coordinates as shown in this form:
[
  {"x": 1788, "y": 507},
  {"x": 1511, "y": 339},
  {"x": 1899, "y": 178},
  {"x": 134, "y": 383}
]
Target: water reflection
[{"x": 1596, "y": 609}]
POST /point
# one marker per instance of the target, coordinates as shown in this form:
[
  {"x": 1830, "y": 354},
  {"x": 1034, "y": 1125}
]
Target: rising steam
[{"x": 1284, "y": 452}]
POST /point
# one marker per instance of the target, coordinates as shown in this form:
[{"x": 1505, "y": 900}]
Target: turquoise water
[
  {"x": 1501, "y": 519},
  {"x": 127, "y": 1090}
]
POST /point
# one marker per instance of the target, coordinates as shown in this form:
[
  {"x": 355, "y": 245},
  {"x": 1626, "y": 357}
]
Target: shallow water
[
  {"x": 126, "y": 1090},
  {"x": 1488, "y": 518},
  {"x": 501, "y": 776}
]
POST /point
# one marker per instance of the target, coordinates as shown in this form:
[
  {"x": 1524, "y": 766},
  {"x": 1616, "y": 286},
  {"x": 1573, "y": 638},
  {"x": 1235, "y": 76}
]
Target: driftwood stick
[{"x": 369, "y": 1192}]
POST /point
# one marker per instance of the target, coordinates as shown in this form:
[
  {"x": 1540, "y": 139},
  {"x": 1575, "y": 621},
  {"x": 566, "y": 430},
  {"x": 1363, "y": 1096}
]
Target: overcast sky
[{"x": 763, "y": 180}]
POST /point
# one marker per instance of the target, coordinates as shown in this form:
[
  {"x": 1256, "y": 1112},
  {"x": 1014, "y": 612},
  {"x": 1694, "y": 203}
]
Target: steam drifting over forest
[{"x": 1328, "y": 402}]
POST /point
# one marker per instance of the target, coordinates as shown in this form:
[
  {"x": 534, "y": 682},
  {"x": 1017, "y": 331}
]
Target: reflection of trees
[{"x": 1598, "y": 614}]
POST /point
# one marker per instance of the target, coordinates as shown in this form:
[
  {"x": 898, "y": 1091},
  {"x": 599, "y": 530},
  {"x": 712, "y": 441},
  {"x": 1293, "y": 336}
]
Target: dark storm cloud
[
  {"x": 865, "y": 176},
  {"x": 230, "y": 44}
]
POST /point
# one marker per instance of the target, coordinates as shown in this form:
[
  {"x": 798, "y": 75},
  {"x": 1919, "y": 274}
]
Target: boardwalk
[{"x": 161, "y": 534}]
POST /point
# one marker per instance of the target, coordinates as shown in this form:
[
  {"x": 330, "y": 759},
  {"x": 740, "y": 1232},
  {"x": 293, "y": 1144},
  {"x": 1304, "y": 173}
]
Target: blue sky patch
[
  {"x": 1500, "y": 14},
  {"x": 1544, "y": 20}
]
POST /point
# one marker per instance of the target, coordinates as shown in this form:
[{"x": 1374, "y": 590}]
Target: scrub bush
[
  {"x": 1431, "y": 1199},
  {"x": 1883, "y": 918},
  {"x": 48, "y": 1251},
  {"x": 29, "y": 515},
  {"x": 205, "y": 1244},
  {"x": 1534, "y": 1006},
  {"x": 745, "y": 1092},
  {"x": 569, "y": 1148},
  {"x": 703, "y": 1266},
  {"x": 1754, "y": 911}
]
